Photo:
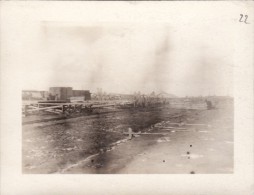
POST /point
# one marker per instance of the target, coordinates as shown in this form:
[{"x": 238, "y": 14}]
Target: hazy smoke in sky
[
  {"x": 129, "y": 58},
  {"x": 161, "y": 64}
]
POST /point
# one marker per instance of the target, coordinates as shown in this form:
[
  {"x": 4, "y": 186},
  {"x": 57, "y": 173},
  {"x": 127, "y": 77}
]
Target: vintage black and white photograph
[
  {"x": 114, "y": 98},
  {"x": 126, "y": 97}
]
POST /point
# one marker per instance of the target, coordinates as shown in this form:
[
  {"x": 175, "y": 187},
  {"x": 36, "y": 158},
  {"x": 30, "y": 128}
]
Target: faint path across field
[{"x": 96, "y": 143}]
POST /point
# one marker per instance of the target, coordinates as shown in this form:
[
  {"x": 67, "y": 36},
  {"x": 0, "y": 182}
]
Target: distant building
[
  {"x": 65, "y": 93},
  {"x": 166, "y": 95},
  {"x": 60, "y": 93},
  {"x": 34, "y": 95},
  {"x": 82, "y": 93}
]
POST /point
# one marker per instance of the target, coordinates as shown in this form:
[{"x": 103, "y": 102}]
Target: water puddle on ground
[
  {"x": 164, "y": 139},
  {"x": 203, "y": 131},
  {"x": 193, "y": 156},
  {"x": 208, "y": 139}
]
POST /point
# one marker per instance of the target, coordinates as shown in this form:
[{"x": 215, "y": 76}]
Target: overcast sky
[{"x": 188, "y": 59}]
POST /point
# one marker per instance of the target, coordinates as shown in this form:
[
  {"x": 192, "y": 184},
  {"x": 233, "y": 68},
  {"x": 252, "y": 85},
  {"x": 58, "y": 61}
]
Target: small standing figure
[{"x": 209, "y": 104}]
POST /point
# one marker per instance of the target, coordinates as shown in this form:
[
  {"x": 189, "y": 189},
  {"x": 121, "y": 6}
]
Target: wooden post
[
  {"x": 26, "y": 108},
  {"x": 130, "y": 133}
]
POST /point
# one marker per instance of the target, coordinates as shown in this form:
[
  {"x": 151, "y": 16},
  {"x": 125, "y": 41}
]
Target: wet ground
[{"x": 96, "y": 143}]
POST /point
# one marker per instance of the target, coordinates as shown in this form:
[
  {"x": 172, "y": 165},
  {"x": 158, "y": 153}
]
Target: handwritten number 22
[{"x": 245, "y": 21}]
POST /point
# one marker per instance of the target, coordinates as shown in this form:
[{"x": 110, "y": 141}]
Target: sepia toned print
[
  {"x": 129, "y": 99},
  {"x": 126, "y": 97}
]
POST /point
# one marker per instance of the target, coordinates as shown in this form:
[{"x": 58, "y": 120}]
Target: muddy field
[{"x": 96, "y": 143}]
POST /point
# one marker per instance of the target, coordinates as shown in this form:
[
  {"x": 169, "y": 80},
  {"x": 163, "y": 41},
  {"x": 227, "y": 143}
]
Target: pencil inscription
[{"x": 241, "y": 17}]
